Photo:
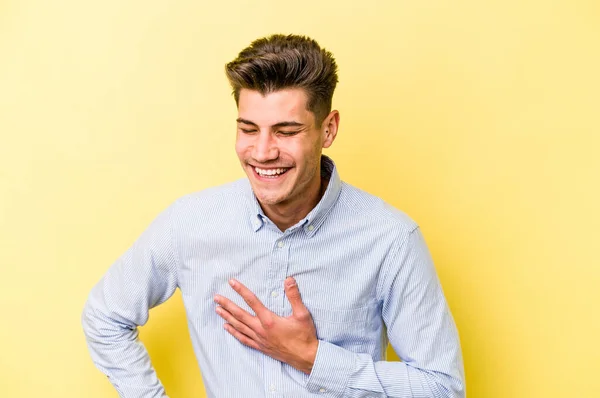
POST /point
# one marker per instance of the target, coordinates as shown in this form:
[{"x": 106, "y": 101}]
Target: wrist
[{"x": 309, "y": 356}]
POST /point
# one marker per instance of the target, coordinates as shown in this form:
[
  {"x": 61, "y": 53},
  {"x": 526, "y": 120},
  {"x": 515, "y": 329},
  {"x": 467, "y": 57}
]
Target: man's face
[{"x": 279, "y": 145}]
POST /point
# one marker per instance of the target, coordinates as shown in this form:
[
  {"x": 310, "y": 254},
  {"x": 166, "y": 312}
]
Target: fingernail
[
  {"x": 290, "y": 282},
  {"x": 232, "y": 282}
]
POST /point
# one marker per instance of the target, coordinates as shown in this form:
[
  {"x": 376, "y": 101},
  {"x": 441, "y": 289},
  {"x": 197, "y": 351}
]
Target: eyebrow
[{"x": 276, "y": 125}]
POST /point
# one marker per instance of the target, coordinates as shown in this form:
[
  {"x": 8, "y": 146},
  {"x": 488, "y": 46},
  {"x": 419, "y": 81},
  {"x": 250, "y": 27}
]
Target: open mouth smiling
[{"x": 270, "y": 173}]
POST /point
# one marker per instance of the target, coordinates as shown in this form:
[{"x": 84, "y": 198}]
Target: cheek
[
  {"x": 241, "y": 146},
  {"x": 302, "y": 152}
]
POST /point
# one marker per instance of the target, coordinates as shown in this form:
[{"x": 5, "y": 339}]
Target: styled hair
[{"x": 279, "y": 62}]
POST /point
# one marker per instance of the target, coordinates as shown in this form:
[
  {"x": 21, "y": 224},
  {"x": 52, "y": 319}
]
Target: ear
[{"x": 330, "y": 128}]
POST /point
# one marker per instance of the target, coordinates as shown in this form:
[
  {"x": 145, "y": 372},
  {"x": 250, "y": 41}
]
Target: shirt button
[
  {"x": 321, "y": 390},
  {"x": 274, "y": 294},
  {"x": 280, "y": 244},
  {"x": 272, "y": 388},
  {"x": 311, "y": 227}
]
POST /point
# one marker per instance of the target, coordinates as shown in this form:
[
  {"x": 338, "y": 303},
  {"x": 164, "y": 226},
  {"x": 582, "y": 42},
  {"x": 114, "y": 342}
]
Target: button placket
[
  {"x": 279, "y": 266},
  {"x": 273, "y": 378}
]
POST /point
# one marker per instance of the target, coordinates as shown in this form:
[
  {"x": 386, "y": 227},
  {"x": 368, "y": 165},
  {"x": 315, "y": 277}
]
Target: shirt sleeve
[
  {"x": 142, "y": 278},
  {"x": 420, "y": 329}
]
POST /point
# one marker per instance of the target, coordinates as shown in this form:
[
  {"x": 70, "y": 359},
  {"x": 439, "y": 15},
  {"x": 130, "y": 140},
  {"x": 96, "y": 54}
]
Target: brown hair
[{"x": 278, "y": 62}]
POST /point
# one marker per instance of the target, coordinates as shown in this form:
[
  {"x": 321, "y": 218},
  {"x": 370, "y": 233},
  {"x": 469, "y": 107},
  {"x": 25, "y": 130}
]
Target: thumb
[{"x": 293, "y": 294}]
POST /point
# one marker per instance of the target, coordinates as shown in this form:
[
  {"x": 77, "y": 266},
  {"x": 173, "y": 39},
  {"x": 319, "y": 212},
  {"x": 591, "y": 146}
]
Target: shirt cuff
[{"x": 331, "y": 371}]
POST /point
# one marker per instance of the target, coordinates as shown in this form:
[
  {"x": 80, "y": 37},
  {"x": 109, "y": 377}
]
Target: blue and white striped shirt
[{"x": 363, "y": 270}]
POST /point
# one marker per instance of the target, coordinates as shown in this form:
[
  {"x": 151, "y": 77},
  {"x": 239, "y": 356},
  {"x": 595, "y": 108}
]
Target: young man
[{"x": 293, "y": 281}]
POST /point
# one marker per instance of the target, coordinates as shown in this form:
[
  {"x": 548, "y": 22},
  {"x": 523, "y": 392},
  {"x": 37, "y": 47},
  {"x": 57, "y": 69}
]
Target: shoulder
[
  {"x": 370, "y": 208},
  {"x": 227, "y": 196}
]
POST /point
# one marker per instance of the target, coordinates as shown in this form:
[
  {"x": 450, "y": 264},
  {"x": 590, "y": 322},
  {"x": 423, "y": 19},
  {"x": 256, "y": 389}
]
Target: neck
[{"x": 285, "y": 215}]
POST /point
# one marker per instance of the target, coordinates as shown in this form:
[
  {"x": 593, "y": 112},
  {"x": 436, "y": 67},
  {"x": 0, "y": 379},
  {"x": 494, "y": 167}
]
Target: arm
[
  {"x": 420, "y": 329},
  {"x": 142, "y": 278},
  {"x": 419, "y": 326}
]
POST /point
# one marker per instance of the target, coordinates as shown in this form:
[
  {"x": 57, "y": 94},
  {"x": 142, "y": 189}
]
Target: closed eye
[
  {"x": 287, "y": 133},
  {"x": 247, "y": 131}
]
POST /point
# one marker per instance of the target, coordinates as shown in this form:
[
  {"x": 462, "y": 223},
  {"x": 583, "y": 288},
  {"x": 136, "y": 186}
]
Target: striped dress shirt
[{"x": 363, "y": 270}]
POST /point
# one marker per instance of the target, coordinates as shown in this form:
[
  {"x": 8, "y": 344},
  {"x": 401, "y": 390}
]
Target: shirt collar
[{"x": 315, "y": 218}]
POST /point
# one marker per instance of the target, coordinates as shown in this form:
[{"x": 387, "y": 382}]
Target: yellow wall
[{"x": 480, "y": 119}]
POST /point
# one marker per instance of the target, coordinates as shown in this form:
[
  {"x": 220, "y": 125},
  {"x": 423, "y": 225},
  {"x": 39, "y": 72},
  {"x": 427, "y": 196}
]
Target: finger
[
  {"x": 238, "y": 325},
  {"x": 239, "y": 313},
  {"x": 293, "y": 294},
  {"x": 249, "y": 297},
  {"x": 245, "y": 340}
]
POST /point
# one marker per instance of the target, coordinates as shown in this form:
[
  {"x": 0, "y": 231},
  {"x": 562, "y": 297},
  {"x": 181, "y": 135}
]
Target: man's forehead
[{"x": 275, "y": 107}]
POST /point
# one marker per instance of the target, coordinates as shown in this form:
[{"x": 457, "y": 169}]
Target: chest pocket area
[{"x": 346, "y": 328}]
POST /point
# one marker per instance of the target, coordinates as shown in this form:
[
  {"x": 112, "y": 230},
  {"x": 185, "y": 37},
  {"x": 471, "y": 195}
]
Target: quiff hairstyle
[{"x": 279, "y": 62}]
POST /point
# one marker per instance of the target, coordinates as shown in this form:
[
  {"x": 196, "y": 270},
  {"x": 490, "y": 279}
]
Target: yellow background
[{"x": 480, "y": 119}]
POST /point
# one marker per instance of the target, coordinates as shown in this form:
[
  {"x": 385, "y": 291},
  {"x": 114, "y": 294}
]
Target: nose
[{"x": 265, "y": 148}]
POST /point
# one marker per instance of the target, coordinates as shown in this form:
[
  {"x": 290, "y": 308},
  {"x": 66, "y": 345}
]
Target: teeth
[{"x": 269, "y": 172}]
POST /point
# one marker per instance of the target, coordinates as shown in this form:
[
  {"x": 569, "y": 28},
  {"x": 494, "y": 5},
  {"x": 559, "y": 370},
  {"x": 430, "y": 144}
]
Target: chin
[
  {"x": 269, "y": 200},
  {"x": 268, "y": 197}
]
